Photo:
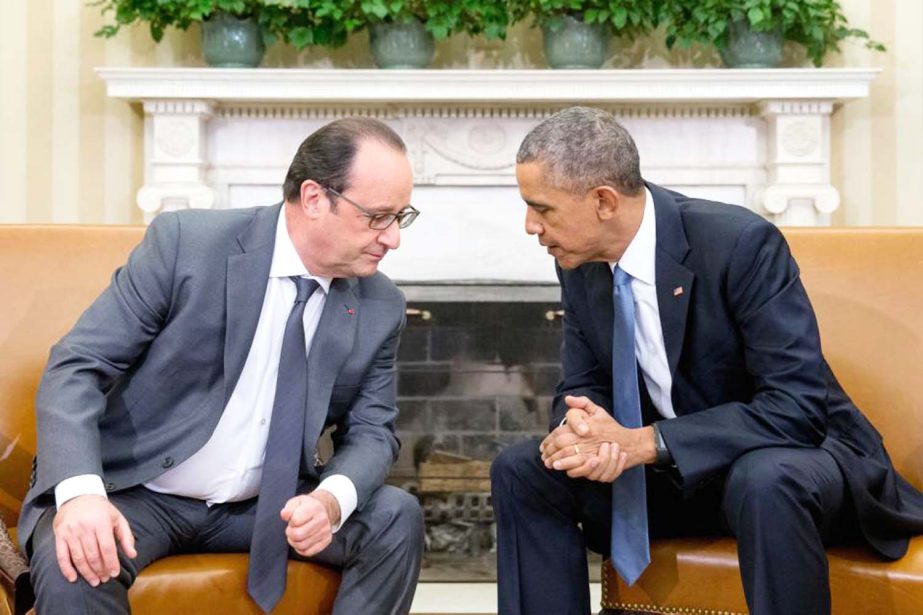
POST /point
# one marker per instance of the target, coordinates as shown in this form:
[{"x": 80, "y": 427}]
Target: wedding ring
[{"x": 576, "y": 450}]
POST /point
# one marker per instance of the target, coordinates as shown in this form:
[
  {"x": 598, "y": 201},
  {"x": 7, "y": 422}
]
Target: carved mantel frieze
[{"x": 224, "y": 137}]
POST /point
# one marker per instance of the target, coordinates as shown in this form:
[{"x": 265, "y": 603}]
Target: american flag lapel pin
[{"x": 677, "y": 291}]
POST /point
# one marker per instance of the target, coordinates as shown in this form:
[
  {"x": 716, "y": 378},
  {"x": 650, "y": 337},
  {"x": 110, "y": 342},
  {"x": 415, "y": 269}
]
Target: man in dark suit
[
  {"x": 182, "y": 412},
  {"x": 694, "y": 397}
]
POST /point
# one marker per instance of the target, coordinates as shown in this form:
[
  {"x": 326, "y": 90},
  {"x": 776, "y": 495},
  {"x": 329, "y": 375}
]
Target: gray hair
[{"x": 583, "y": 147}]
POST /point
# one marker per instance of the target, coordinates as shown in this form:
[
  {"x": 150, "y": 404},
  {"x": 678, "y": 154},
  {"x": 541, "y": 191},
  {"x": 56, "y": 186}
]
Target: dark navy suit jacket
[{"x": 744, "y": 351}]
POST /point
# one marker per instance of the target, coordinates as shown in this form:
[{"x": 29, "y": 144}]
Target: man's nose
[
  {"x": 533, "y": 227},
  {"x": 391, "y": 236}
]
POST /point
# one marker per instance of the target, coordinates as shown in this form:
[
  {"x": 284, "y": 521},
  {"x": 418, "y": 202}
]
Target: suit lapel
[
  {"x": 247, "y": 277},
  {"x": 674, "y": 280},
  {"x": 333, "y": 340},
  {"x": 598, "y": 278}
]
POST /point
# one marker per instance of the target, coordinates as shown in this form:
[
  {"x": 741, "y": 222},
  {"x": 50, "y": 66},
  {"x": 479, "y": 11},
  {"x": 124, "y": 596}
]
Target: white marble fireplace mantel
[{"x": 224, "y": 138}]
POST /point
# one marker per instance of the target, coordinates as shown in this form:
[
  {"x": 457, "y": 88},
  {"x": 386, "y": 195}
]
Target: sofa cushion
[
  {"x": 217, "y": 583},
  {"x": 865, "y": 287},
  {"x": 183, "y": 583},
  {"x": 50, "y": 275},
  {"x": 700, "y": 575}
]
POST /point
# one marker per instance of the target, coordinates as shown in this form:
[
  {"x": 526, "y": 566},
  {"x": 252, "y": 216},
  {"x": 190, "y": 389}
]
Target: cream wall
[
  {"x": 69, "y": 154},
  {"x": 878, "y": 142}
]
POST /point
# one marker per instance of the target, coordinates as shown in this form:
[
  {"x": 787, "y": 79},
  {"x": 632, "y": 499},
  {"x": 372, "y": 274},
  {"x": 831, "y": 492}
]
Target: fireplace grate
[{"x": 469, "y": 507}]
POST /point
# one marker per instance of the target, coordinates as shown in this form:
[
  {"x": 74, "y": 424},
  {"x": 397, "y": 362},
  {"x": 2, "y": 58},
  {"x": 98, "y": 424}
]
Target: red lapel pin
[{"x": 349, "y": 310}]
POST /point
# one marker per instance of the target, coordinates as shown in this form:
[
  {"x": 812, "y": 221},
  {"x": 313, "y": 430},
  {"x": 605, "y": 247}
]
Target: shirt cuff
[
  {"x": 84, "y": 484},
  {"x": 344, "y": 491}
]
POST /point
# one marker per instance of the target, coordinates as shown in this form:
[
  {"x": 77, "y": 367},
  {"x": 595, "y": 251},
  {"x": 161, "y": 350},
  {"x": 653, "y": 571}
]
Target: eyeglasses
[{"x": 379, "y": 221}]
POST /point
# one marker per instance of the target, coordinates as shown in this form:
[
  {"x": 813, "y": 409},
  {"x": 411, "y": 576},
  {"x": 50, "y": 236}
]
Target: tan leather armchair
[
  {"x": 49, "y": 275},
  {"x": 866, "y": 286}
]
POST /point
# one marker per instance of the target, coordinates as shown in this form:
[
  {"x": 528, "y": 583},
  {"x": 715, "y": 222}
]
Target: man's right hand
[{"x": 85, "y": 530}]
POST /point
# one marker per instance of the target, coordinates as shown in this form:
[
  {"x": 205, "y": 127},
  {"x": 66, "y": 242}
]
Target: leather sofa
[
  {"x": 867, "y": 289},
  {"x": 866, "y": 286},
  {"x": 49, "y": 275}
]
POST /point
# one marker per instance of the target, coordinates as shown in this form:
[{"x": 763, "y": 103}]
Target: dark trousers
[
  {"x": 378, "y": 549},
  {"x": 783, "y": 505}
]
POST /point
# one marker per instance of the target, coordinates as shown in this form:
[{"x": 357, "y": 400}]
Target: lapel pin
[
  {"x": 349, "y": 310},
  {"x": 677, "y": 291}
]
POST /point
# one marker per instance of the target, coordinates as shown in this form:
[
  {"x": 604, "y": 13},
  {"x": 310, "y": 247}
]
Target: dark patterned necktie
[
  {"x": 630, "y": 553},
  {"x": 268, "y": 546}
]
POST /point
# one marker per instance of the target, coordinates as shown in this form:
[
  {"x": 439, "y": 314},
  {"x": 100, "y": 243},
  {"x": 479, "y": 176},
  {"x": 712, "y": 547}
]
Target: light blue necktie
[{"x": 630, "y": 553}]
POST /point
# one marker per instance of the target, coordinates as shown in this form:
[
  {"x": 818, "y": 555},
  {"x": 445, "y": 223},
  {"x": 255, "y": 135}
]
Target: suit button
[
  {"x": 167, "y": 462},
  {"x": 110, "y": 487}
]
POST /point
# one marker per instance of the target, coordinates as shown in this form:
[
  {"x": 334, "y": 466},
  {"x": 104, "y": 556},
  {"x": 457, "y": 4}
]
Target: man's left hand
[
  {"x": 311, "y": 518},
  {"x": 574, "y": 446},
  {"x": 586, "y": 427}
]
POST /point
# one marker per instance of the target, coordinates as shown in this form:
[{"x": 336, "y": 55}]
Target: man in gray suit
[{"x": 174, "y": 418}]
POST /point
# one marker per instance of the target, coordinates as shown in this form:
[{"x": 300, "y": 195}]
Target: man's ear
[
  {"x": 312, "y": 198},
  {"x": 608, "y": 201}
]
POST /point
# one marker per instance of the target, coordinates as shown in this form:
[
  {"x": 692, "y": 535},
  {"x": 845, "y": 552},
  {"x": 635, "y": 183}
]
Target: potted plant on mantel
[
  {"x": 395, "y": 26},
  {"x": 750, "y": 33},
  {"x": 232, "y": 33},
  {"x": 402, "y": 32},
  {"x": 576, "y": 32},
  {"x": 235, "y": 33}
]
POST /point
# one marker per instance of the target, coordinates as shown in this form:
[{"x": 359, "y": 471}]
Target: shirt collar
[
  {"x": 285, "y": 260},
  {"x": 639, "y": 258}
]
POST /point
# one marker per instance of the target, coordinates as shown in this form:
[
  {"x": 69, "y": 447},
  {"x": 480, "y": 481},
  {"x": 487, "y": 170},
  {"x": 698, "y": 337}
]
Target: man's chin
[
  {"x": 566, "y": 263},
  {"x": 366, "y": 271}
]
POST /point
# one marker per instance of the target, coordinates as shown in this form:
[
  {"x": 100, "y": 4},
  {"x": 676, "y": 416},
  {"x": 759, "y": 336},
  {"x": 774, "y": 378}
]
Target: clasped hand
[{"x": 590, "y": 443}]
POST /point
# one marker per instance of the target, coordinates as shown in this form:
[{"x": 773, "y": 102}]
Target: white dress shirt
[
  {"x": 639, "y": 261},
  {"x": 228, "y": 468}
]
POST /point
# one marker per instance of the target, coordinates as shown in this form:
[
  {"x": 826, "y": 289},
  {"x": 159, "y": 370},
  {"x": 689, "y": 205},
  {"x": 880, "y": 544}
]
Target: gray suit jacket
[{"x": 140, "y": 382}]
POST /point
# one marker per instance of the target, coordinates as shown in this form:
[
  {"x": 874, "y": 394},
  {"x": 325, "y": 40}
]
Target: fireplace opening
[{"x": 473, "y": 377}]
